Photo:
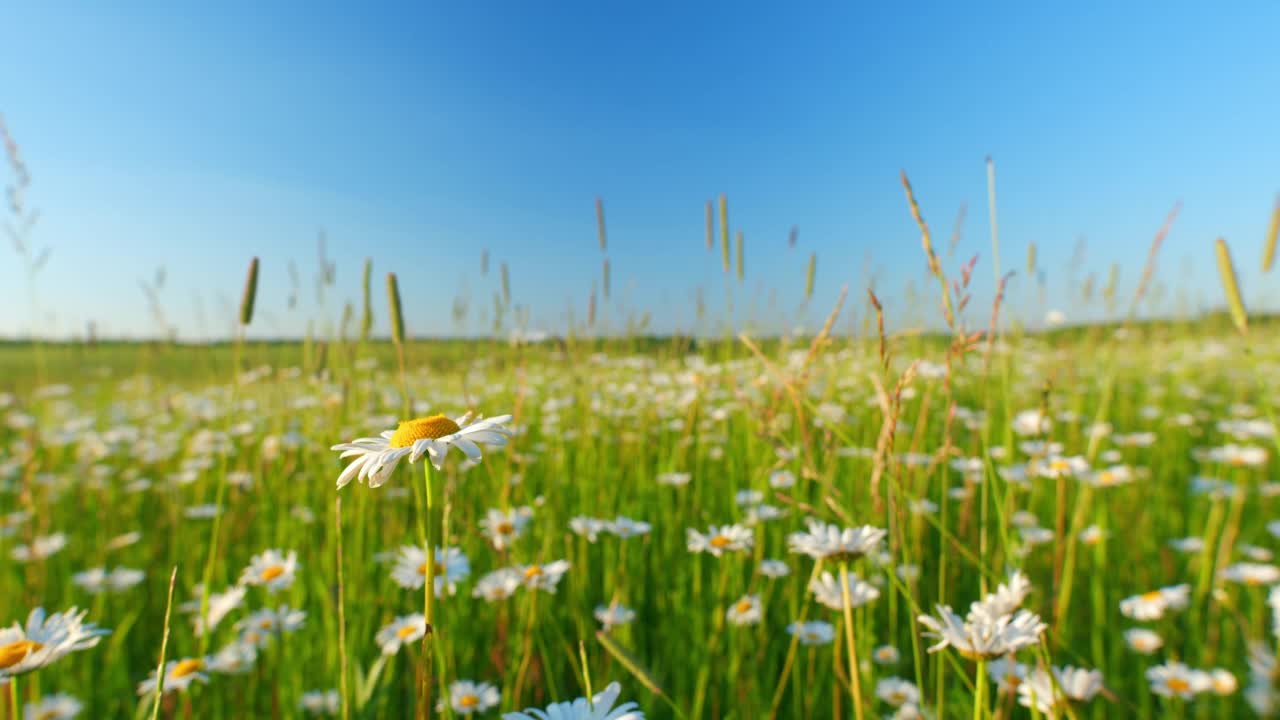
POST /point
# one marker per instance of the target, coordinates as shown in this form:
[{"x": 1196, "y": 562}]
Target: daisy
[
  {"x": 178, "y": 675},
  {"x": 467, "y": 697},
  {"x": 1110, "y": 477},
  {"x": 497, "y": 585},
  {"x": 220, "y": 605},
  {"x": 1222, "y": 682},
  {"x": 376, "y": 458},
  {"x": 625, "y": 527},
  {"x": 543, "y": 577},
  {"x": 1249, "y": 573},
  {"x": 1189, "y": 545},
  {"x": 674, "y": 479},
  {"x": 235, "y": 658},
  {"x": 613, "y": 615},
  {"x": 599, "y": 707},
  {"x": 400, "y": 632},
  {"x": 746, "y": 611},
  {"x": 1077, "y": 686},
  {"x": 781, "y": 479},
  {"x": 450, "y": 568},
  {"x": 40, "y": 548},
  {"x": 44, "y": 640},
  {"x": 259, "y": 627},
  {"x": 1238, "y": 455},
  {"x": 321, "y": 702},
  {"x": 896, "y": 691},
  {"x": 827, "y": 591},
  {"x": 1152, "y": 605},
  {"x": 774, "y": 568},
  {"x": 1143, "y": 641},
  {"x": 720, "y": 539},
  {"x": 981, "y": 635},
  {"x": 503, "y": 527},
  {"x": 814, "y": 632},
  {"x": 1173, "y": 679},
  {"x": 1007, "y": 672},
  {"x": 886, "y": 655},
  {"x": 587, "y": 527},
  {"x": 272, "y": 569},
  {"x": 59, "y": 706},
  {"x": 831, "y": 541}
]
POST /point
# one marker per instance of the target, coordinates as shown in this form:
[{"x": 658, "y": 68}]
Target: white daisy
[
  {"x": 502, "y": 527},
  {"x": 1173, "y": 679},
  {"x": 543, "y": 577},
  {"x": 400, "y": 632},
  {"x": 831, "y": 541},
  {"x": 982, "y": 635},
  {"x": 376, "y": 458},
  {"x": 813, "y": 632},
  {"x": 58, "y": 706},
  {"x": 746, "y": 611},
  {"x": 1077, "y": 686},
  {"x": 44, "y": 640},
  {"x": 321, "y": 702},
  {"x": 1152, "y": 605},
  {"x": 613, "y": 615},
  {"x": 625, "y": 527},
  {"x": 896, "y": 691},
  {"x": 827, "y": 591},
  {"x": 720, "y": 539},
  {"x": 599, "y": 707},
  {"x": 774, "y": 568},
  {"x": 450, "y": 568},
  {"x": 272, "y": 569},
  {"x": 497, "y": 585},
  {"x": 1249, "y": 573},
  {"x": 467, "y": 697},
  {"x": 1142, "y": 640},
  {"x": 178, "y": 676}
]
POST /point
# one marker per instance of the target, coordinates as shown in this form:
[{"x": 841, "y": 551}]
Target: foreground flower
[
  {"x": 178, "y": 676},
  {"x": 272, "y": 569},
  {"x": 831, "y": 541},
  {"x": 400, "y": 632},
  {"x": 720, "y": 539},
  {"x": 982, "y": 635},
  {"x": 599, "y": 708},
  {"x": 376, "y": 458},
  {"x": 44, "y": 640},
  {"x": 468, "y": 698}
]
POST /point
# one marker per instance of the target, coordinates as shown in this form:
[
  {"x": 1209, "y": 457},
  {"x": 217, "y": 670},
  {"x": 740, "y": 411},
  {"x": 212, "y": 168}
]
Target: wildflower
[
  {"x": 44, "y": 640},
  {"x": 813, "y": 632},
  {"x": 234, "y": 658},
  {"x": 40, "y": 548},
  {"x": 1222, "y": 682},
  {"x": 1238, "y": 455},
  {"x": 1173, "y": 679},
  {"x": 782, "y": 479},
  {"x": 259, "y": 627},
  {"x": 674, "y": 479},
  {"x": 625, "y": 527},
  {"x": 400, "y": 632},
  {"x": 503, "y": 527},
  {"x": 220, "y": 605},
  {"x": 981, "y": 635},
  {"x": 497, "y": 585},
  {"x": 1110, "y": 477},
  {"x": 178, "y": 676},
  {"x": 467, "y": 697},
  {"x": 599, "y": 707},
  {"x": 746, "y": 611},
  {"x": 321, "y": 702},
  {"x": 830, "y": 541},
  {"x": 450, "y": 568},
  {"x": 720, "y": 539},
  {"x": 774, "y": 568},
  {"x": 58, "y": 706},
  {"x": 1143, "y": 641},
  {"x": 896, "y": 691},
  {"x": 543, "y": 577},
  {"x": 1008, "y": 596},
  {"x": 1152, "y": 605},
  {"x": 827, "y": 590},
  {"x": 613, "y": 615},
  {"x": 376, "y": 458},
  {"x": 1059, "y": 467},
  {"x": 1007, "y": 672},
  {"x": 1249, "y": 573},
  {"x": 587, "y": 527},
  {"x": 1077, "y": 686},
  {"x": 272, "y": 569}
]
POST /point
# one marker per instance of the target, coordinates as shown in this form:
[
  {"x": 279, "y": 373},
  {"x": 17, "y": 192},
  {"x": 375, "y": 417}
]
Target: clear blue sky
[{"x": 195, "y": 136}]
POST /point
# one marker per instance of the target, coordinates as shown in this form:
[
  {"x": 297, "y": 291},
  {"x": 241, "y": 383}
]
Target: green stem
[
  {"x": 855, "y": 682},
  {"x": 428, "y": 593},
  {"x": 980, "y": 692}
]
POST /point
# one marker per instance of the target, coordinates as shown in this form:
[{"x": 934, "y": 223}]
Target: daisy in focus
[
  {"x": 44, "y": 640},
  {"x": 599, "y": 707},
  {"x": 376, "y": 458}
]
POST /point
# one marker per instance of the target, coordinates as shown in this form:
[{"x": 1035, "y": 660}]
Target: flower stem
[
  {"x": 428, "y": 593},
  {"x": 855, "y": 681},
  {"x": 980, "y": 692}
]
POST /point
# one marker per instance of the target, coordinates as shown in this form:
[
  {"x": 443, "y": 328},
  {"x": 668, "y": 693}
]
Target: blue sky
[{"x": 196, "y": 136}]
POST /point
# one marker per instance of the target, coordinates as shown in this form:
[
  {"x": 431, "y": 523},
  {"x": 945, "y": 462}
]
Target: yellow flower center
[
  {"x": 406, "y": 631},
  {"x": 532, "y": 572},
  {"x": 1060, "y": 465},
  {"x": 742, "y": 606},
  {"x": 720, "y": 542},
  {"x": 16, "y": 652},
  {"x": 1106, "y": 477},
  {"x": 506, "y": 528},
  {"x": 468, "y": 701},
  {"x": 1179, "y": 685},
  {"x": 1152, "y": 596},
  {"x": 186, "y": 667},
  {"x": 425, "y": 428},
  {"x": 897, "y": 697},
  {"x": 272, "y": 573},
  {"x": 422, "y": 569},
  {"x": 265, "y": 624}
]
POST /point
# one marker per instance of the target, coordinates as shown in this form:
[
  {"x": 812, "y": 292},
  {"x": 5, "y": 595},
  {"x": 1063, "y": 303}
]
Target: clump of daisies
[{"x": 994, "y": 626}]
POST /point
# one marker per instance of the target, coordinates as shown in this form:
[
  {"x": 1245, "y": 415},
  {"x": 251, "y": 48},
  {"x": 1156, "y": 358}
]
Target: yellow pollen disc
[
  {"x": 532, "y": 572},
  {"x": 742, "y": 606},
  {"x": 186, "y": 667},
  {"x": 426, "y": 428},
  {"x": 506, "y": 528},
  {"x": 896, "y": 698},
  {"x": 16, "y": 652},
  {"x": 1152, "y": 596},
  {"x": 1237, "y": 460},
  {"x": 1060, "y": 465},
  {"x": 1106, "y": 477},
  {"x": 422, "y": 569},
  {"x": 720, "y": 542},
  {"x": 1179, "y": 685},
  {"x": 265, "y": 624},
  {"x": 272, "y": 573},
  {"x": 468, "y": 701},
  {"x": 406, "y": 631}
]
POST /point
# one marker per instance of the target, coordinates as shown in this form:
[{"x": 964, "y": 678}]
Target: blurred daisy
[
  {"x": 1222, "y": 682},
  {"x": 1077, "y": 685},
  {"x": 59, "y": 706},
  {"x": 1173, "y": 679},
  {"x": 625, "y": 527},
  {"x": 400, "y": 632},
  {"x": 220, "y": 605},
  {"x": 981, "y": 635},
  {"x": 599, "y": 707},
  {"x": 774, "y": 568},
  {"x": 44, "y": 640},
  {"x": 587, "y": 527},
  {"x": 376, "y": 458},
  {"x": 720, "y": 539},
  {"x": 613, "y": 615},
  {"x": 896, "y": 691},
  {"x": 827, "y": 590},
  {"x": 1253, "y": 574},
  {"x": 1152, "y": 605},
  {"x": 1189, "y": 545},
  {"x": 813, "y": 632},
  {"x": 40, "y": 548},
  {"x": 272, "y": 569},
  {"x": 497, "y": 585},
  {"x": 831, "y": 541},
  {"x": 467, "y": 697},
  {"x": 543, "y": 577},
  {"x": 674, "y": 479},
  {"x": 234, "y": 658},
  {"x": 257, "y": 628},
  {"x": 98, "y": 580},
  {"x": 886, "y": 655},
  {"x": 746, "y": 611},
  {"x": 1143, "y": 641},
  {"x": 503, "y": 527},
  {"x": 450, "y": 568},
  {"x": 781, "y": 479},
  {"x": 321, "y": 702},
  {"x": 178, "y": 676},
  {"x": 1008, "y": 673}
]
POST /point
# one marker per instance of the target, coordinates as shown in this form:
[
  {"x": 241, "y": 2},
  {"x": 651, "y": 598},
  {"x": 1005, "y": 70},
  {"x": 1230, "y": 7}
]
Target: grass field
[{"x": 1101, "y": 464}]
